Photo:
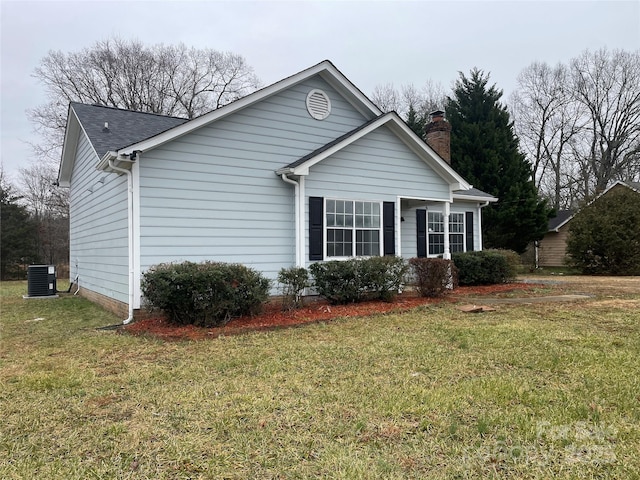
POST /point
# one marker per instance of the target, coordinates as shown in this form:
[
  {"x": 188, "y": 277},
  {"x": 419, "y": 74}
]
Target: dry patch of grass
[{"x": 528, "y": 391}]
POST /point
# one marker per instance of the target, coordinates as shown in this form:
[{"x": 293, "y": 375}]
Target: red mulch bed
[{"x": 273, "y": 317}]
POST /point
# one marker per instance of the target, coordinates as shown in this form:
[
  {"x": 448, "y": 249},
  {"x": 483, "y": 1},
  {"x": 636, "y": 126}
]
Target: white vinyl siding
[
  {"x": 213, "y": 194},
  {"x": 378, "y": 167},
  {"x": 98, "y": 226}
]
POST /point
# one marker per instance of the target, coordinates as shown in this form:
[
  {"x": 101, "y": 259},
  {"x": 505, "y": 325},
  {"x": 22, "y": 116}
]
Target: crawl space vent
[{"x": 318, "y": 104}]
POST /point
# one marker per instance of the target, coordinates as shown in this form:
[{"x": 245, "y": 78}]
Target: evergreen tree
[
  {"x": 416, "y": 122},
  {"x": 604, "y": 237},
  {"x": 484, "y": 150},
  {"x": 17, "y": 235}
]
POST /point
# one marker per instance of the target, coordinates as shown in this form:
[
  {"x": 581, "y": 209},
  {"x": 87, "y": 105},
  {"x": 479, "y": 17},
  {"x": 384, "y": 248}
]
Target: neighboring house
[
  {"x": 551, "y": 251},
  {"x": 307, "y": 169}
]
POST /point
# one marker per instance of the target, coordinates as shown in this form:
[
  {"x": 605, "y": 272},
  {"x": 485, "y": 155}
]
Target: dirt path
[{"x": 590, "y": 285}]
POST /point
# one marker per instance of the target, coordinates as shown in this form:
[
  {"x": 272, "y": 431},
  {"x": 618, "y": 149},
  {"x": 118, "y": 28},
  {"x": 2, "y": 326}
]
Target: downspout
[
  {"x": 301, "y": 224},
  {"x": 297, "y": 215},
  {"x": 130, "y": 231}
]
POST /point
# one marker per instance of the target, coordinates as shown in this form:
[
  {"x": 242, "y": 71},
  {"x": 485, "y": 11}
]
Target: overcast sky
[{"x": 371, "y": 42}]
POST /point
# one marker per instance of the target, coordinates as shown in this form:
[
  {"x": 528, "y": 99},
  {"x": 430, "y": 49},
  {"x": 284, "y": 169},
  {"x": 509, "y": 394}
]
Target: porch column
[
  {"x": 479, "y": 227},
  {"x": 447, "y": 250}
]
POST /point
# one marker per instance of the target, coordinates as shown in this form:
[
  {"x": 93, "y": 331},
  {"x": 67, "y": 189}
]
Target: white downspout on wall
[
  {"x": 398, "y": 226},
  {"x": 130, "y": 234},
  {"x": 297, "y": 215},
  {"x": 135, "y": 223},
  {"x": 301, "y": 225}
]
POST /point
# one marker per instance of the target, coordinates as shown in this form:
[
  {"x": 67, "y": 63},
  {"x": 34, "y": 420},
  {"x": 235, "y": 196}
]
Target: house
[
  {"x": 551, "y": 250},
  {"x": 304, "y": 170}
]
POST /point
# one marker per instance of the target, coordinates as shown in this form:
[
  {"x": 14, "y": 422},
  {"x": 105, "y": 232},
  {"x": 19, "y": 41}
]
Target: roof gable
[
  {"x": 326, "y": 70},
  {"x": 399, "y": 128},
  {"x": 130, "y": 131}
]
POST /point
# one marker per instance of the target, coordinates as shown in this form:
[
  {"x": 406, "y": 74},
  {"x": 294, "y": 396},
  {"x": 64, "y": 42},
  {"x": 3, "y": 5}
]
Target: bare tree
[
  {"x": 547, "y": 119},
  {"x": 580, "y": 124},
  {"x": 608, "y": 85},
  {"x": 48, "y": 207},
  {"x": 170, "y": 80},
  {"x": 431, "y": 96},
  {"x": 387, "y": 98}
]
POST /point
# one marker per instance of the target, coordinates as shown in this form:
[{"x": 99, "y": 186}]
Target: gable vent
[{"x": 318, "y": 104}]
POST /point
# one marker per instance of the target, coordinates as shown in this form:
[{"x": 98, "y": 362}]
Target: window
[
  {"x": 436, "y": 232},
  {"x": 352, "y": 227},
  {"x": 456, "y": 232},
  {"x": 435, "y": 226}
]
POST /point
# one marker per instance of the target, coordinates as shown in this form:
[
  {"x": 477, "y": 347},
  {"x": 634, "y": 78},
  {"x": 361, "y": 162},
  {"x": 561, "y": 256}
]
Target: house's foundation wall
[{"x": 116, "y": 307}]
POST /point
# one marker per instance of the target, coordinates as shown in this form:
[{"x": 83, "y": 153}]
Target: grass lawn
[{"x": 529, "y": 391}]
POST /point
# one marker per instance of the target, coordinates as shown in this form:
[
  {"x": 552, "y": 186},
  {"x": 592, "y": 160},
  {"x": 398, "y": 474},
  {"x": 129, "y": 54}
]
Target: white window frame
[
  {"x": 442, "y": 232},
  {"x": 354, "y": 229},
  {"x": 431, "y": 232},
  {"x": 462, "y": 232}
]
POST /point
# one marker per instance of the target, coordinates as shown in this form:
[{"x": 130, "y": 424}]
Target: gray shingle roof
[
  {"x": 126, "y": 127},
  {"x": 559, "y": 219},
  {"x": 473, "y": 192}
]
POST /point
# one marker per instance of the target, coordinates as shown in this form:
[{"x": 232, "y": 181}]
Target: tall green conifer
[{"x": 484, "y": 150}]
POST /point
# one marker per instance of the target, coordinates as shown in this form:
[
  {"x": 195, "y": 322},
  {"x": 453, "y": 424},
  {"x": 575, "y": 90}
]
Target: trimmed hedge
[
  {"x": 204, "y": 294},
  {"x": 486, "y": 267},
  {"x": 356, "y": 279},
  {"x": 433, "y": 276}
]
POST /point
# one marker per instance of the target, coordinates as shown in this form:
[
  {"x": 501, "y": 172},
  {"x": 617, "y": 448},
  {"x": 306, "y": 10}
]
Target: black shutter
[
  {"x": 421, "y": 227},
  {"x": 468, "y": 230},
  {"x": 388, "y": 228},
  {"x": 316, "y": 214}
]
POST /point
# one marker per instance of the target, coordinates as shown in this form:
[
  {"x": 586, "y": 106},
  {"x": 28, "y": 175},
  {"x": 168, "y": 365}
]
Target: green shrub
[
  {"x": 487, "y": 267},
  {"x": 383, "y": 277},
  {"x": 204, "y": 294},
  {"x": 513, "y": 258},
  {"x": 338, "y": 281},
  {"x": 293, "y": 281},
  {"x": 354, "y": 280},
  {"x": 433, "y": 276},
  {"x": 604, "y": 237}
]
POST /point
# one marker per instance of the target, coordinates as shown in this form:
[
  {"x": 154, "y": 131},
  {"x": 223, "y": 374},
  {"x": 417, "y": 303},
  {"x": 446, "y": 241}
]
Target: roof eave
[
  {"x": 69, "y": 148},
  {"x": 475, "y": 198}
]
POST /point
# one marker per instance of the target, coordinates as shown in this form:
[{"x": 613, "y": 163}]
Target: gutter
[
  {"x": 111, "y": 156},
  {"x": 298, "y": 186}
]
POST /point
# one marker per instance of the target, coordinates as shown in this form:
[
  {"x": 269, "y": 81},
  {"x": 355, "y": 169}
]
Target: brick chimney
[{"x": 438, "y": 135}]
